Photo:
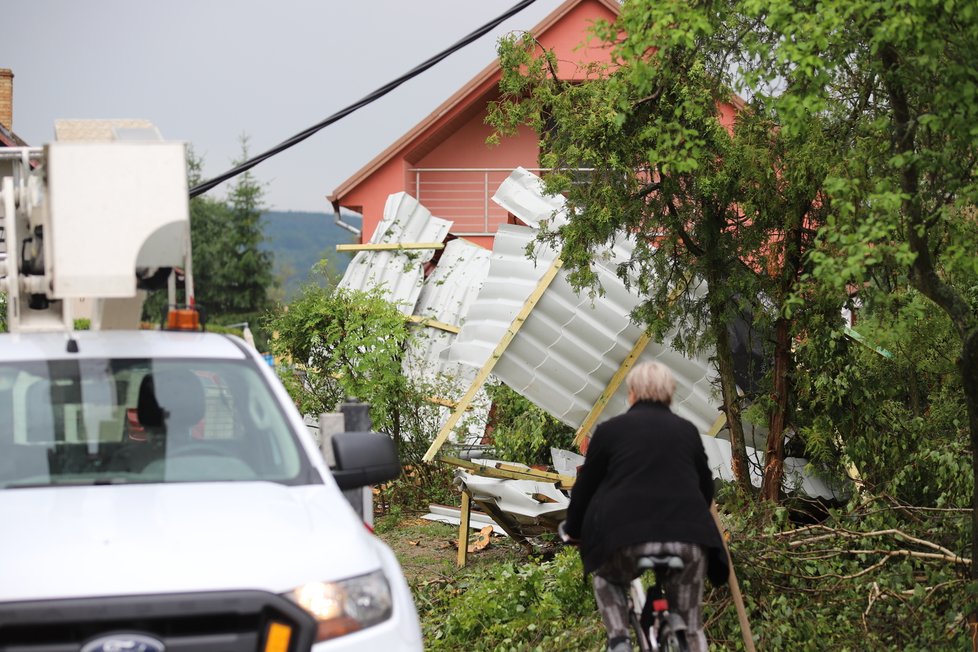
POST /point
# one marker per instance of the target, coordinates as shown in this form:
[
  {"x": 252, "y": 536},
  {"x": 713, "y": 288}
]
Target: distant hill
[{"x": 299, "y": 240}]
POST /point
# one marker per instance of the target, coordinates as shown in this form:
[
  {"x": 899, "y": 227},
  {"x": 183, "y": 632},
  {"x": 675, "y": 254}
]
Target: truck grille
[{"x": 227, "y": 621}]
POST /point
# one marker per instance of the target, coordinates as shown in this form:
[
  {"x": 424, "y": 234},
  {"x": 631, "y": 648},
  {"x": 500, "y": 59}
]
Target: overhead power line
[{"x": 342, "y": 113}]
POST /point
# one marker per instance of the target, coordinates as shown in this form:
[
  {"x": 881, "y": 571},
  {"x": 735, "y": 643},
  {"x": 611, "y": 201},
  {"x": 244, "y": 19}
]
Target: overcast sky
[{"x": 208, "y": 71}]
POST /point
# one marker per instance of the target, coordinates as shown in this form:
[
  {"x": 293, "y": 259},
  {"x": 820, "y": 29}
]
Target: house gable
[{"x": 453, "y": 137}]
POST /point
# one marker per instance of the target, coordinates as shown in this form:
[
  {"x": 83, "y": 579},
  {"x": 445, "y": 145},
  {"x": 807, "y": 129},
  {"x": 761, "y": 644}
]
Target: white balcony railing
[{"x": 463, "y": 195}]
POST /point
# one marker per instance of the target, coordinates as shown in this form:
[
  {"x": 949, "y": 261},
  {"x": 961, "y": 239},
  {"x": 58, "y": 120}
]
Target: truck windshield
[{"x": 102, "y": 421}]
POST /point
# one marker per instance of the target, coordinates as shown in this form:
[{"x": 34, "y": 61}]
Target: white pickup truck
[{"x": 160, "y": 492}]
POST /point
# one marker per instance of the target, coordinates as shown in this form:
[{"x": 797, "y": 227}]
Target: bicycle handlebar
[{"x": 566, "y": 538}]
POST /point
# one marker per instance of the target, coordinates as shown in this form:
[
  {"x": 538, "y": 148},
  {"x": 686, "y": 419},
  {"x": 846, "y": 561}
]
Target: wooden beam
[
  {"x": 507, "y": 523},
  {"x": 444, "y": 402},
  {"x": 718, "y": 425},
  {"x": 734, "y": 586},
  {"x": 611, "y": 388},
  {"x": 480, "y": 378},
  {"x": 390, "y": 246},
  {"x": 510, "y": 472},
  {"x": 433, "y": 323},
  {"x": 616, "y": 380}
]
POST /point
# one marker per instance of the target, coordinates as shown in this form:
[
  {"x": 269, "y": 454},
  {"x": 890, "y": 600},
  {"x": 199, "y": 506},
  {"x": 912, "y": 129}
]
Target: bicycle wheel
[
  {"x": 671, "y": 640},
  {"x": 641, "y": 637}
]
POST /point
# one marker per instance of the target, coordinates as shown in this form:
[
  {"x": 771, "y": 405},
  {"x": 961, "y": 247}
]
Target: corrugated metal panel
[
  {"x": 446, "y": 296},
  {"x": 527, "y": 508},
  {"x": 399, "y": 273},
  {"x": 512, "y": 278},
  {"x": 796, "y": 475},
  {"x": 571, "y": 345},
  {"x": 522, "y": 195},
  {"x": 448, "y": 292},
  {"x": 452, "y": 516}
]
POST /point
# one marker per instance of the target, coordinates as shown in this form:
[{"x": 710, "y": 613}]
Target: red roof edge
[{"x": 10, "y": 139}]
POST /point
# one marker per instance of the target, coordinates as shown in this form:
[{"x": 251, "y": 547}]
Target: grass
[
  {"x": 428, "y": 550},
  {"x": 504, "y": 599}
]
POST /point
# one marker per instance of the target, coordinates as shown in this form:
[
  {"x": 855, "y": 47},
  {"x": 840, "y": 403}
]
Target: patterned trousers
[{"x": 684, "y": 590}]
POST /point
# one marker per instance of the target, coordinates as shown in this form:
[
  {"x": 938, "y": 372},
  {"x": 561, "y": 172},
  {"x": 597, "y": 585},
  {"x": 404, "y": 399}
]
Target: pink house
[{"x": 444, "y": 161}]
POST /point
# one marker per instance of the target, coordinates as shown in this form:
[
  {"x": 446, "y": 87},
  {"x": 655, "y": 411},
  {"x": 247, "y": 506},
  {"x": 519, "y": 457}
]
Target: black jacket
[{"x": 645, "y": 478}]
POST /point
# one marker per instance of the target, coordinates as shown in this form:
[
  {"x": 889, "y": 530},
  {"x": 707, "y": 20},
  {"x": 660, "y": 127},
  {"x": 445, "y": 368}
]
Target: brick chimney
[{"x": 7, "y": 98}]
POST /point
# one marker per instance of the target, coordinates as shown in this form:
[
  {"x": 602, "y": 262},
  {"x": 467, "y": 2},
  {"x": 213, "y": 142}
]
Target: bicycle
[{"x": 656, "y": 628}]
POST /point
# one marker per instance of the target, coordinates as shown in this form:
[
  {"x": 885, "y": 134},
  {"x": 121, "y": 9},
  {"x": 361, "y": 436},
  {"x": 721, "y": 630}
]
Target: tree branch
[
  {"x": 831, "y": 533},
  {"x": 647, "y": 190}
]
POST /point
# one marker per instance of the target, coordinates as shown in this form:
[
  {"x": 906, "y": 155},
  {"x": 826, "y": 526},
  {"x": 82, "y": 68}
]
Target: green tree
[
  {"x": 341, "y": 343},
  {"x": 233, "y": 278},
  {"x": 337, "y": 344},
  {"x": 902, "y": 79},
  {"x": 723, "y": 214},
  {"x": 232, "y": 274},
  {"x": 523, "y": 432},
  {"x": 346, "y": 344},
  {"x": 893, "y": 88}
]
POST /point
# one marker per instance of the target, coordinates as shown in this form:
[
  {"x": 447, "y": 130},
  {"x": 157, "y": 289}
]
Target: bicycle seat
[{"x": 672, "y": 562}]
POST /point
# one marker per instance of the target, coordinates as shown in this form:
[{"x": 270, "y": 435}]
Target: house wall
[
  {"x": 369, "y": 197},
  {"x": 566, "y": 36},
  {"x": 447, "y": 191},
  {"x": 728, "y": 115}
]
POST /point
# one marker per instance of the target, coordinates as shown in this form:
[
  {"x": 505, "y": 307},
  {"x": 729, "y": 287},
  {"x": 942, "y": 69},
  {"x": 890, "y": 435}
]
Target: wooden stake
[
  {"x": 735, "y": 587},
  {"x": 508, "y": 472},
  {"x": 433, "y": 323},
  {"x": 465, "y": 517}
]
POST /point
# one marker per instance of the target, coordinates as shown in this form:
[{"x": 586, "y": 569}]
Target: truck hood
[{"x": 62, "y": 542}]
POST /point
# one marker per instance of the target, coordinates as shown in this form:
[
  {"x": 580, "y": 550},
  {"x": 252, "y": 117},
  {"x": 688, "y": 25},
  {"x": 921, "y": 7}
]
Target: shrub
[
  {"x": 521, "y": 605},
  {"x": 521, "y": 431}
]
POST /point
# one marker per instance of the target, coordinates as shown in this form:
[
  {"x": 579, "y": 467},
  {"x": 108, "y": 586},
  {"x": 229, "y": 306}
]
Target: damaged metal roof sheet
[
  {"x": 797, "y": 477},
  {"x": 446, "y": 297},
  {"x": 399, "y": 273},
  {"x": 511, "y": 279},
  {"x": 523, "y": 507},
  {"x": 571, "y": 344}
]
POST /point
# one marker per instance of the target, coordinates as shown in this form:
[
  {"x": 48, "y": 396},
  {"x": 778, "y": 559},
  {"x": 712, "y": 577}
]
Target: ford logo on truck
[{"x": 124, "y": 643}]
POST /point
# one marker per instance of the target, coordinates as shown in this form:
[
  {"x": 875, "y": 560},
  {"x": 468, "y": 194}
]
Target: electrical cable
[{"x": 342, "y": 113}]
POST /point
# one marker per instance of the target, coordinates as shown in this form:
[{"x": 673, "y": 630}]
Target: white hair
[{"x": 651, "y": 381}]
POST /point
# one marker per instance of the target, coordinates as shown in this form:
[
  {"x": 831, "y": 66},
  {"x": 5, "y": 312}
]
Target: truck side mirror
[{"x": 364, "y": 458}]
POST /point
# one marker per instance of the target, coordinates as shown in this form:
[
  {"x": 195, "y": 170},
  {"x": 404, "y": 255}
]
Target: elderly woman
[{"x": 645, "y": 489}]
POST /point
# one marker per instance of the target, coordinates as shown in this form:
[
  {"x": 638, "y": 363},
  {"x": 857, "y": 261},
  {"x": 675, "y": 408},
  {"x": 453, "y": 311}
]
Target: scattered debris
[{"x": 481, "y": 540}]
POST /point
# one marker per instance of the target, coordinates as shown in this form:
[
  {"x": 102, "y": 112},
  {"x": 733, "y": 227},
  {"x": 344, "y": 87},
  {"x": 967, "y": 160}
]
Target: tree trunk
[
  {"x": 728, "y": 390},
  {"x": 968, "y": 366},
  {"x": 781, "y": 391},
  {"x": 774, "y": 455}
]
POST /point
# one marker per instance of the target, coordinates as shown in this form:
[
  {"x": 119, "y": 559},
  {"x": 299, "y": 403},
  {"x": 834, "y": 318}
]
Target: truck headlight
[{"x": 346, "y": 606}]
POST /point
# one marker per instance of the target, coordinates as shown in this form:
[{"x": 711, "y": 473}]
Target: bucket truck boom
[{"x": 88, "y": 225}]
